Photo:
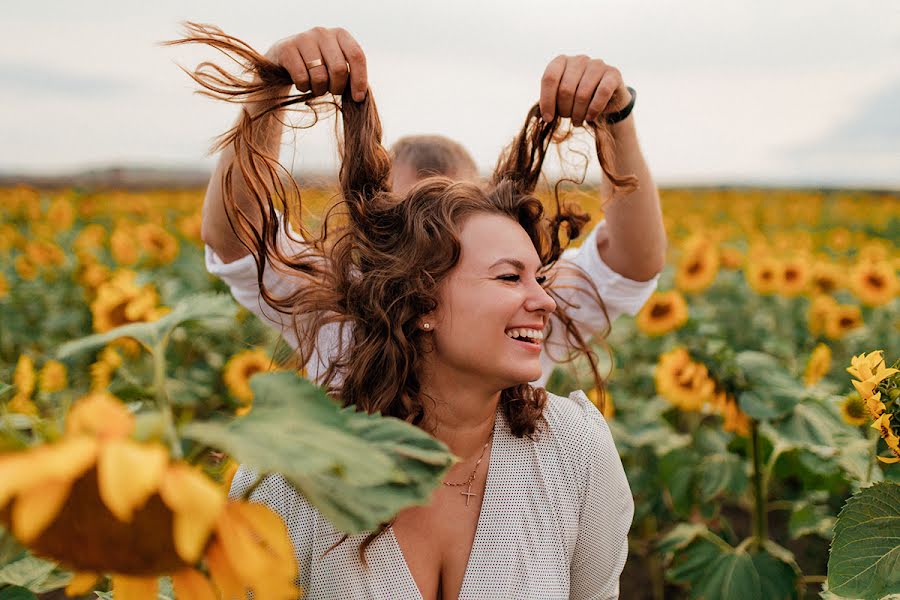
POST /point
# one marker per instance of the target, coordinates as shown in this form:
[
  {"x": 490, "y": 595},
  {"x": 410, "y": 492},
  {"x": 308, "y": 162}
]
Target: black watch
[{"x": 613, "y": 118}]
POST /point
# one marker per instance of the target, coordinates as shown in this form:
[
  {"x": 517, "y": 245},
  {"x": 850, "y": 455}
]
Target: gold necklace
[{"x": 468, "y": 493}]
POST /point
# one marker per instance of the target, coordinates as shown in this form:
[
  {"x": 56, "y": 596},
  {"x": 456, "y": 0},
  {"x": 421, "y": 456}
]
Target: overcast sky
[{"x": 800, "y": 92}]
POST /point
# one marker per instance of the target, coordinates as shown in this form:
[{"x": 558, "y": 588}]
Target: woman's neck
[{"x": 459, "y": 411}]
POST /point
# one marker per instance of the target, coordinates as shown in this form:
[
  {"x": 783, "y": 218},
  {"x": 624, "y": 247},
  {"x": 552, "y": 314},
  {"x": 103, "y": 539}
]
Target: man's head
[{"x": 416, "y": 157}]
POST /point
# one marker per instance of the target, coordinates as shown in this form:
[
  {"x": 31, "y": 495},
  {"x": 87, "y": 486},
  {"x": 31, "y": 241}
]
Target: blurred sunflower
[
  {"x": 91, "y": 237},
  {"x": 102, "y": 370},
  {"x": 26, "y": 269},
  {"x": 698, "y": 266},
  {"x": 61, "y": 214},
  {"x": 842, "y": 319},
  {"x": 818, "y": 365},
  {"x": 683, "y": 382},
  {"x": 24, "y": 377},
  {"x": 874, "y": 283},
  {"x": 795, "y": 276},
  {"x": 602, "y": 399},
  {"x": 733, "y": 418},
  {"x": 158, "y": 245},
  {"x": 237, "y": 373},
  {"x": 122, "y": 245},
  {"x": 98, "y": 501},
  {"x": 731, "y": 258},
  {"x": 4, "y": 286},
  {"x": 826, "y": 277},
  {"x": 817, "y": 314},
  {"x": 189, "y": 227},
  {"x": 763, "y": 274},
  {"x": 10, "y": 238},
  {"x": 853, "y": 410},
  {"x": 44, "y": 253},
  {"x": 663, "y": 312},
  {"x": 121, "y": 301},
  {"x": 53, "y": 376}
]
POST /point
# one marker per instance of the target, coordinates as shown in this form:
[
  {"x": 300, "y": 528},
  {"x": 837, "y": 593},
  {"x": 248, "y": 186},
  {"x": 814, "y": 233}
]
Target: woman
[{"x": 441, "y": 304}]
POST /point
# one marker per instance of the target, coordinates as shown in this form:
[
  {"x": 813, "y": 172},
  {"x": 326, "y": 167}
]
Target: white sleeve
[
  {"x": 606, "y": 513},
  {"x": 620, "y": 295},
  {"x": 241, "y": 277}
]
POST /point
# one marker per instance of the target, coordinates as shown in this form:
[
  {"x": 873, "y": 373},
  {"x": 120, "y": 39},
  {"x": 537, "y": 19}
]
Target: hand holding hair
[
  {"x": 321, "y": 60},
  {"x": 581, "y": 88}
]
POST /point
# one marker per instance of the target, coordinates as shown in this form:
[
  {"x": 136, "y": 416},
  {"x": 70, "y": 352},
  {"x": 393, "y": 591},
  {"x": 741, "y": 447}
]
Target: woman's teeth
[{"x": 532, "y": 335}]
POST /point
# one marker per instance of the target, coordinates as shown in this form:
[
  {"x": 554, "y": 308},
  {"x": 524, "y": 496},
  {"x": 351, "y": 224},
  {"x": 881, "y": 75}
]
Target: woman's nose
[{"x": 541, "y": 300}]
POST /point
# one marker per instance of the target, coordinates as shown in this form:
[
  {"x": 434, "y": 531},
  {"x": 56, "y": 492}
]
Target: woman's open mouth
[{"x": 526, "y": 338}]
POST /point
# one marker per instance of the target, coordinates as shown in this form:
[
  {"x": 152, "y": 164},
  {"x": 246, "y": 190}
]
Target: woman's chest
[{"x": 437, "y": 540}]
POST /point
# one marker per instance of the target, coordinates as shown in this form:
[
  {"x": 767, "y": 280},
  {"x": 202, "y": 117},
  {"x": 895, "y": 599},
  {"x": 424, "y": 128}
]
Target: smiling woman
[{"x": 433, "y": 306}]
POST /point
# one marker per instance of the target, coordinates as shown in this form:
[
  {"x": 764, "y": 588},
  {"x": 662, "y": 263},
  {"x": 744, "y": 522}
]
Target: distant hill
[{"x": 135, "y": 178}]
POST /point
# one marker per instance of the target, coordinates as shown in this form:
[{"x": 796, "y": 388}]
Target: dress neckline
[{"x": 499, "y": 421}]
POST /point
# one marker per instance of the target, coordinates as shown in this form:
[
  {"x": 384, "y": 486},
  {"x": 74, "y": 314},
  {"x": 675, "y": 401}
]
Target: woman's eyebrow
[{"x": 518, "y": 264}]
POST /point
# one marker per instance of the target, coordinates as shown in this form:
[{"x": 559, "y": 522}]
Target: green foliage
[
  {"x": 865, "y": 553},
  {"x": 358, "y": 469}
]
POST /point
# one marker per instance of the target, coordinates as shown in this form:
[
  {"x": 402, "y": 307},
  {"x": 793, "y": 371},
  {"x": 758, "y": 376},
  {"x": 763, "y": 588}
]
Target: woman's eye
[
  {"x": 509, "y": 277},
  {"x": 542, "y": 279}
]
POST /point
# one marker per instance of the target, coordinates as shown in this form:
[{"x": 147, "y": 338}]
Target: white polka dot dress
[{"x": 554, "y": 521}]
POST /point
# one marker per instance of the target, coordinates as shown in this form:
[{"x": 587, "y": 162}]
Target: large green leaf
[
  {"x": 771, "y": 391},
  {"x": 865, "y": 553},
  {"x": 203, "y": 306},
  {"x": 16, "y": 593},
  {"x": 358, "y": 469},
  {"x": 722, "y": 473},
  {"x": 716, "y": 571},
  {"x": 34, "y": 574}
]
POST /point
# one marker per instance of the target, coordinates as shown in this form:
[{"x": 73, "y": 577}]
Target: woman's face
[{"x": 493, "y": 293}]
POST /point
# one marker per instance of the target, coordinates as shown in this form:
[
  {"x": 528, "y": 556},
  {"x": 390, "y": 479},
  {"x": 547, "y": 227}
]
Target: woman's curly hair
[{"x": 378, "y": 259}]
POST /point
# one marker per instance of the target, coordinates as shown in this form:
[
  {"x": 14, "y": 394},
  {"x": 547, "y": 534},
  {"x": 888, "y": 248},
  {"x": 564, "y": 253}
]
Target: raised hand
[
  {"x": 321, "y": 60},
  {"x": 581, "y": 88}
]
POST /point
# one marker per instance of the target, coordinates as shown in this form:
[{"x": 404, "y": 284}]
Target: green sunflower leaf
[
  {"x": 358, "y": 469},
  {"x": 865, "y": 552}
]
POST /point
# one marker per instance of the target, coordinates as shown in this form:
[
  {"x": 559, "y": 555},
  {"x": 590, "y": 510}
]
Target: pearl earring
[{"x": 427, "y": 325}]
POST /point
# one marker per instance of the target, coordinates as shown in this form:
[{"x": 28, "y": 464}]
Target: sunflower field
[{"x": 755, "y": 401}]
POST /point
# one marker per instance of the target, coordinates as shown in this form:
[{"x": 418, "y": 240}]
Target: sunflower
[
  {"x": 841, "y": 319},
  {"x": 731, "y": 258},
  {"x": 887, "y": 430},
  {"x": 26, "y": 269},
  {"x": 121, "y": 301},
  {"x": 818, "y": 365},
  {"x": 795, "y": 275},
  {"x": 664, "y": 312},
  {"x": 91, "y": 237},
  {"x": 158, "y": 244},
  {"x": 698, "y": 266},
  {"x": 763, "y": 274},
  {"x": 826, "y": 277},
  {"x": 602, "y": 399},
  {"x": 44, "y": 254},
  {"x": 24, "y": 377},
  {"x": 190, "y": 226},
  {"x": 98, "y": 501},
  {"x": 869, "y": 371},
  {"x": 853, "y": 410},
  {"x": 819, "y": 309},
  {"x": 121, "y": 245},
  {"x": 237, "y": 373},
  {"x": 874, "y": 283},
  {"x": 102, "y": 370},
  {"x": 53, "y": 376},
  {"x": 61, "y": 214},
  {"x": 684, "y": 383}
]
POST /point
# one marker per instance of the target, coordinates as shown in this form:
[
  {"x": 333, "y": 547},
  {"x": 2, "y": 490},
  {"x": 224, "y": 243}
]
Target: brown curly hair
[{"x": 379, "y": 258}]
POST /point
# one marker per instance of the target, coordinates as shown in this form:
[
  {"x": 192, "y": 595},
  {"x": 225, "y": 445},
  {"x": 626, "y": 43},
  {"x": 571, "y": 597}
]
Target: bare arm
[
  {"x": 339, "y": 58},
  {"x": 580, "y": 88},
  {"x": 215, "y": 229}
]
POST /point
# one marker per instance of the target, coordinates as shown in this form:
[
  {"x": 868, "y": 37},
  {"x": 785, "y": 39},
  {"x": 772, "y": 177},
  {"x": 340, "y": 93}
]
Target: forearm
[
  {"x": 215, "y": 230},
  {"x": 634, "y": 244}
]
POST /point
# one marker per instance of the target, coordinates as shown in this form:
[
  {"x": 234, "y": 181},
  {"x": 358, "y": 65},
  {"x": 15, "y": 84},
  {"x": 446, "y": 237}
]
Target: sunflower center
[
  {"x": 847, "y": 322},
  {"x": 875, "y": 281},
  {"x": 694, "y": 267},
  {"x": 117, "y": 315},
  {"x": 660, "y": 310},
  {"x": 791, "y": 274},
  {"x": 856, "y": 408},
  {"x": 825, "y": 284},
  {"x": 766, "y": 275}
]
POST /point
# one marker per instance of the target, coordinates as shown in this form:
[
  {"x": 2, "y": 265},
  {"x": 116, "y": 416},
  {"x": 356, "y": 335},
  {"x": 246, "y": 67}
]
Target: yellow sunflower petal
[
  {"x": 81, "y": 584},
  {"x": 36, "y": 507},
  {"x": 224, "y": 574},
  {"x": 134, "y": 588},
  {"x": 242, "y": 549},
  {"x": 888, "y": 459},
  {"x": 63, "y": 461},
  {"x": 100, "y": 414},
  {"x": 269, "y": 527},
  {"x": 190, "y": 584},
  {"x": 128, "y": 472},
  {"x": 197, "y": 503}
]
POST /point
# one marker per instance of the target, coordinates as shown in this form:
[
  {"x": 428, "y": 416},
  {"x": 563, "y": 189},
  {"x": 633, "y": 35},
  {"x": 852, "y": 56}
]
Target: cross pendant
[{"x": 468, "y": 493}]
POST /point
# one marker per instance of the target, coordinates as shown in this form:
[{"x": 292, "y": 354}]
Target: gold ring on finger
[{"x": 314, "y": 63}]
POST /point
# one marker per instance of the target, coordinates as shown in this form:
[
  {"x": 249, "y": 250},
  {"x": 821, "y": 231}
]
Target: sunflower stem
[
  {"x": 162, "y": 398},
  {"x": 760, "y": 515},
  {"x": 874, "y": 436}
]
